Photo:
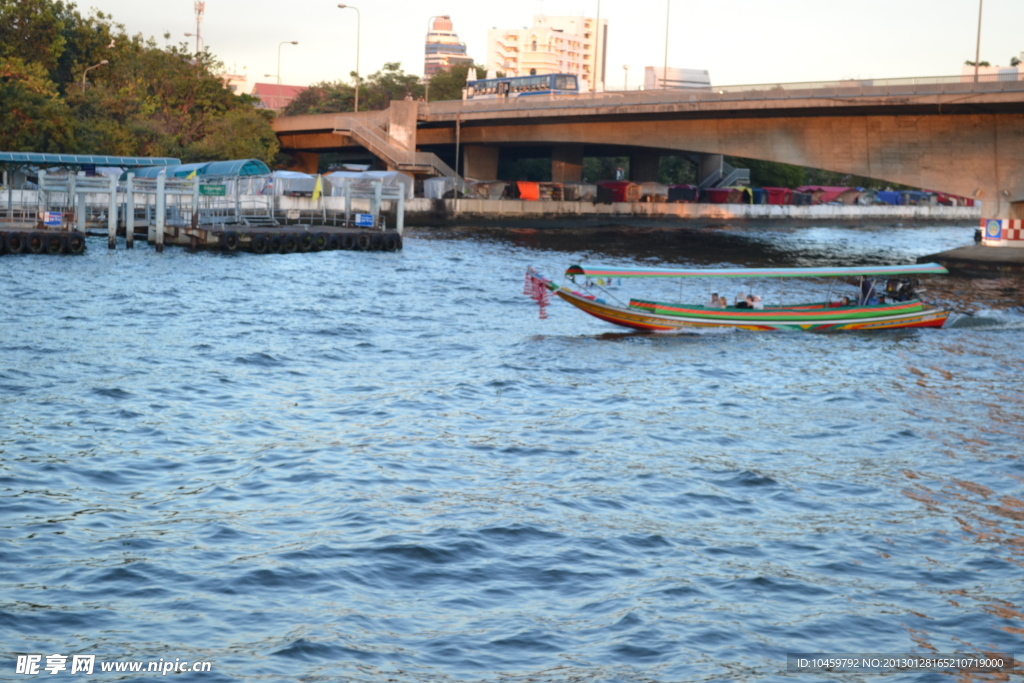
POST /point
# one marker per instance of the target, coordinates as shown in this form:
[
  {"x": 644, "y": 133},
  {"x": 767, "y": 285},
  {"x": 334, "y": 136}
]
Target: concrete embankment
[
  {"x": 980, "y": 260},
  {"x": 439, "y": 212}
]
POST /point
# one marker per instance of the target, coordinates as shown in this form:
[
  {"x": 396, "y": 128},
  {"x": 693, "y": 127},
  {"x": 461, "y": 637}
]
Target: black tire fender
[
  {"x": 76, "y": 243},
  {"x": 35, "y": 243},
  {"x": 259, "y": 244},
  {"x": 229, "y": 240},
  {"x": 55, "y": 243}
]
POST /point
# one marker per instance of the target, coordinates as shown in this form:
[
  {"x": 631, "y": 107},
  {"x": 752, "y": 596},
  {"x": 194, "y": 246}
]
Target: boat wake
[{"x": 987, "y": 319}]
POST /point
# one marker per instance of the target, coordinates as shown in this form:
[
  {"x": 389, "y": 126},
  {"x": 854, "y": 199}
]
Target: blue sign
[
  {"x": 994, "y": 229},
  {"x": 364, "y": 220},
  {"x": 52, "y": 219}
]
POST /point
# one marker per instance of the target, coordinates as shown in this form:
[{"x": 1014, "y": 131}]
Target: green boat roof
[{"x": 854, "y": 271}]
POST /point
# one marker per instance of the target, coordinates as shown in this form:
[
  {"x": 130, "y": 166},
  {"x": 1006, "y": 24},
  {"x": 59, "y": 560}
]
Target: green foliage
[
  {"x": 33, "y": 118},
  {"x": 448, "y": 83},
  {"x": 771, "y": 173},
  {"x": 535, "y": 170},
  {"x": 376, "y": 92},
  {"x": 146, "y": 100},
  {"x": 323, "y": 98},
  {"x": 390, "y": 83},
  {"x": 673, "y": 170},
  {"x": 604, "y": 168},
  {"x": 981, "y": 63}
]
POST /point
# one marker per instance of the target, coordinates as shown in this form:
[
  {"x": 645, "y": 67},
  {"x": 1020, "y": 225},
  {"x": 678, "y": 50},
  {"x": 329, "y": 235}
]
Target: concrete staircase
[
  {"x": 728, "y": 176},
  {"x": 378, "y": 142}
]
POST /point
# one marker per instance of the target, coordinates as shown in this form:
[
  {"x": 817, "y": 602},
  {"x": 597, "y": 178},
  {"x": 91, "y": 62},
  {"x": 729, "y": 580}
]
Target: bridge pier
[
  {"x": 567, "y": 163},
  {"x": 306, "y": 162},
  {"x": 479, "y": 162},
  {"x": 643, "y": 167},
  {"x": 709, "y": 165}
]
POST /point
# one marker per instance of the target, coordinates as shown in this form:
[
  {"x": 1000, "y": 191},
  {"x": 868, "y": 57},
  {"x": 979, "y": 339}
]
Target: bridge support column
[
  {"x": 402, "y": 116},
  {"x": 567, "y": 163},
  {"x": 643, "y": 167},
  {"x": 306, "y": 162},
  {"x": 1006, "y": 227},
  {"x": 709, "y": 165},
  {"x": 479, "y": 162}
]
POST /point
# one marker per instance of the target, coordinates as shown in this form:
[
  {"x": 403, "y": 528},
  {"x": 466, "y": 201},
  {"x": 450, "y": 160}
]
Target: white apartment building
[{"x": 571, "y": 45}]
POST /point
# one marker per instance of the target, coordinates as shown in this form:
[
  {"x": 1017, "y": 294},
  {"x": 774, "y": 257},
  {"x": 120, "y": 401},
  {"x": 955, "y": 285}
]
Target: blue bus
[{"x": 520, "y": 86}]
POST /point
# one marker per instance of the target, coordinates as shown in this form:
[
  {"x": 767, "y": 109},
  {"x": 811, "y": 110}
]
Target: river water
[{"x": 387, "y": 467}]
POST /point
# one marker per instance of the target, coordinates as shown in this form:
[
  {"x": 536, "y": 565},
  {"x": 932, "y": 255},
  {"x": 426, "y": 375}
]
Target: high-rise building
[
  {"x": 570, "y": 45},
  {"x": 443, "y": 49}
]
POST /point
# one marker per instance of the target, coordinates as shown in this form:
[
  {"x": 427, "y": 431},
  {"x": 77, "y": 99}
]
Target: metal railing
[
  {"x": 849, "y": 88},
  {"x": 383, "y": 146}
]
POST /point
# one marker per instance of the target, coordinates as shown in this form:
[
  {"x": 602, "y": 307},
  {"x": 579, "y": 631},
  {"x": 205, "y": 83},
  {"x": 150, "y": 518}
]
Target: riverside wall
[{"x": 424, "y": 212}]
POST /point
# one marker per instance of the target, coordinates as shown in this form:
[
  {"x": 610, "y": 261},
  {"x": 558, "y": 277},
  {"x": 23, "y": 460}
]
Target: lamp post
[
  {"x": 359, "y": 20},
  {"x": 625, "y": 76},
  {"x": 88, "y": 69},
  {"x": 977, "y": 49},
  {"x": 279, "y": 46},
  {"x": 199, "y": 41},
  {"x": 664, "y": 68}
]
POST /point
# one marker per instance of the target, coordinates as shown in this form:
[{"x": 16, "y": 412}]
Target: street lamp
[
  {"x": 359, "y": 20},
  {"x": 282, "y": 43},
  {"x": 625, "y": 76},
  {"x": 199, "y": 41},
  {"x": 102, "y": 63},
  {"x": 977, "y": 49},
  {"x": 664, "y": 68}
]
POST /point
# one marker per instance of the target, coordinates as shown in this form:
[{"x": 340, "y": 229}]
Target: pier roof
[{"x": 40, "y": 159}]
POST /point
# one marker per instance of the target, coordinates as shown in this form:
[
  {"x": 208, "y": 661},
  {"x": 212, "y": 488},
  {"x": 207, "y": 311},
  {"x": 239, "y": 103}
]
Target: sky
[{"x": 737, "y": 41}]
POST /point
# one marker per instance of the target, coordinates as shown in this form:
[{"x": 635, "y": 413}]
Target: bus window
[{"x": 565, "y": 83}]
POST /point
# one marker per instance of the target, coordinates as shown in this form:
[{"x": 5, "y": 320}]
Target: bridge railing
[{"x": 849, "y": 88}]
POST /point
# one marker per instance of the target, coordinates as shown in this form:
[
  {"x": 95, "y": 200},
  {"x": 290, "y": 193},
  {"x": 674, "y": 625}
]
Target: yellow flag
[
  {"x": 191, "y": 175},
  {"x": 318, "y": 188}
]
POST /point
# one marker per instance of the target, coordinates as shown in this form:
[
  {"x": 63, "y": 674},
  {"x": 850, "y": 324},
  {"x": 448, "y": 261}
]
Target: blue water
[{"x": 386, "y": 467}]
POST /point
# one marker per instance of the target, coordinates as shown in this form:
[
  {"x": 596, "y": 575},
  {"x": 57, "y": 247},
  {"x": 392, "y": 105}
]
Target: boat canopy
[{"x": 913, "y": 269}]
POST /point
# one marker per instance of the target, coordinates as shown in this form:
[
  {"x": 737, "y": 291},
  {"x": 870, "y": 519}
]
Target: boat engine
[{"x": 901, "y": 289}]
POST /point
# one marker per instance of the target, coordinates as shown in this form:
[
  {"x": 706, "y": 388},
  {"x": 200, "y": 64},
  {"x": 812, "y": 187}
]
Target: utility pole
[{"x": 200, "y": 8}]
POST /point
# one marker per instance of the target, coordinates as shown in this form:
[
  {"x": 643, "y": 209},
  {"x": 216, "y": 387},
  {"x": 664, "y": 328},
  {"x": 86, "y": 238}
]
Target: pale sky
[{"x": 737, "y": 41}]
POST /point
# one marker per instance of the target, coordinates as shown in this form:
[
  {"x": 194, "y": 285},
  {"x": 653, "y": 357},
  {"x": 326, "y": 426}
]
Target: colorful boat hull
[{"x": 823, "y": 319}]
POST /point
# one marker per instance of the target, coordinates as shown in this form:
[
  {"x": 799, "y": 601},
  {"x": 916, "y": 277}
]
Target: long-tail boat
[{"x": 895, "y": 305}]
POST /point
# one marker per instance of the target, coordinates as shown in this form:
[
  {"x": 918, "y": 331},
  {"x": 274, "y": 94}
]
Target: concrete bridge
[{"x": 948, "y": 134}]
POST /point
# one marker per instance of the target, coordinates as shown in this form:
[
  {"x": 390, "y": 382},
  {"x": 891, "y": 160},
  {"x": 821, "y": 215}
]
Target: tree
[
  {"x": 447, "y": 84},
  {"x": 145, "y": 101},
  {"x": 242, "y": 133},
  {"x": 323, "y": 98},
  {"x": 33, "y": 118},
  {"x": 981, "y": 63},
  {"x": 390, "y": 83},
  {"x": 1014, "y": 61}
]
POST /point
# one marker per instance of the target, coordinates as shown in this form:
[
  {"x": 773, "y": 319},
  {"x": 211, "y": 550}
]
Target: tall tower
[
  {"x": 443, "y": 49},
  {"x": 200, "y": 8}
]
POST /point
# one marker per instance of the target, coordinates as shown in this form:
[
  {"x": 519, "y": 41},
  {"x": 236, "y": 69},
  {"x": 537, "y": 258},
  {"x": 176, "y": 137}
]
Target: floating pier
[{"x": 223, "y": 213}]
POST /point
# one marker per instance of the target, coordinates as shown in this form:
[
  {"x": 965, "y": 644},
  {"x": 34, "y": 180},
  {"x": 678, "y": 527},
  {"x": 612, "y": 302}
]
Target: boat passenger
[
  {"x": 755, "y": 302},
  {"x": 741, "y": 301},
  {"x": 868, "y": 295},
  {"x": 714, "y": 301}
]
